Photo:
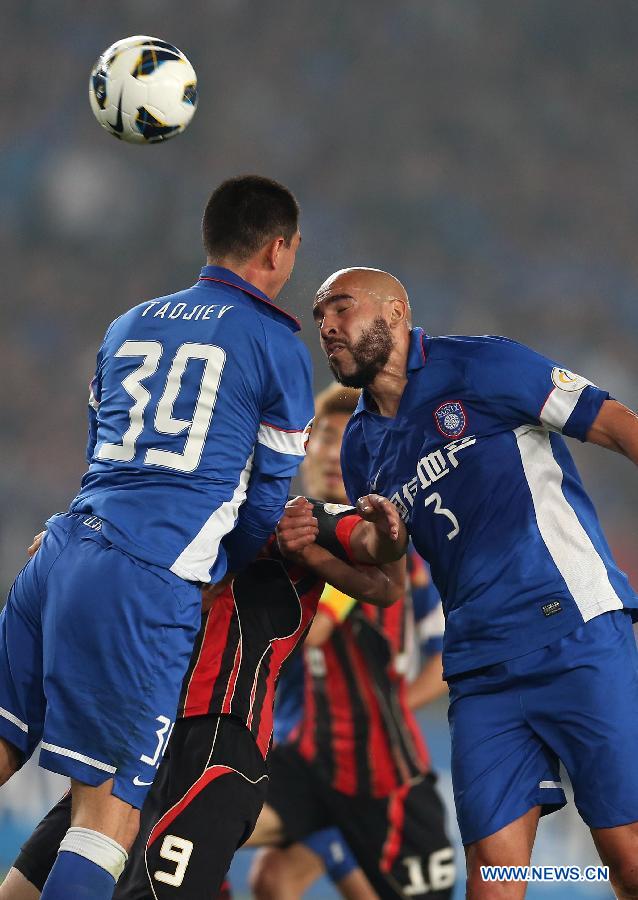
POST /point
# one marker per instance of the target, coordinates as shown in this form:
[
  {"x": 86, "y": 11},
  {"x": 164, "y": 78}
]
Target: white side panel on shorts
[
  {"x": 568, "y": 543},
  {"x": 195, "y": 561}
]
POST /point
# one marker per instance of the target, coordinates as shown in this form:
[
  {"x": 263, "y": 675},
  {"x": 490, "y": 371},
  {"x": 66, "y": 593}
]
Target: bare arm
[
  {"x": 428, "y": 684},
  {"x": 382, "y": 537},
  {"x": 616, "y": 428},
  {"x": 379, "y": 584},
  {"x": 322, "y": 627}
]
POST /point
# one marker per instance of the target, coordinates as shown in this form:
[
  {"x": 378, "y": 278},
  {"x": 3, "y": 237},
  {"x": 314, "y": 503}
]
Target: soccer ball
[{"x": 143, "y": 90}]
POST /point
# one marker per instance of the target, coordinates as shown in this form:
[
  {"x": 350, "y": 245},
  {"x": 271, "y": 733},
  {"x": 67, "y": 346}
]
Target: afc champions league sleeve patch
[
  {"x": 568, "y": 381},
  {"x": 450, "y": 418}
]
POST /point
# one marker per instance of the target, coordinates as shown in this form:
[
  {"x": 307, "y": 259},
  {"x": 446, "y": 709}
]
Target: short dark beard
[{"x": 370, "y": 354}]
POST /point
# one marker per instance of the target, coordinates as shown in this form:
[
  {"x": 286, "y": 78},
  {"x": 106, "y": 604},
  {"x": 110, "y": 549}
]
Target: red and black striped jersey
[
  {"x": 253, "y": 627},
  {"x": 356, "y": 725}
]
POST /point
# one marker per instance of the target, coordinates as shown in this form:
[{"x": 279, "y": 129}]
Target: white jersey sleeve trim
[
  {"x": 558, "y": 408},
  {"x": 566, "y": 540},
  {"x": 288, "y": 442},
  {"x": 195, "y": 561},
  {"x": 563, "y": 399},
  {"x": 73, "y": 754}
]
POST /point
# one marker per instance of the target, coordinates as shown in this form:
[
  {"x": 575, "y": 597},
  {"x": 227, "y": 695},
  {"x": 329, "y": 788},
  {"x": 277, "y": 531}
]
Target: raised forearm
[
  {"x": 370, "y": 584},
  {"x": 370, "y": 546}
]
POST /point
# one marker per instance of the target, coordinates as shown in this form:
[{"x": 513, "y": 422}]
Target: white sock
[{"x": 96, "y": 847}]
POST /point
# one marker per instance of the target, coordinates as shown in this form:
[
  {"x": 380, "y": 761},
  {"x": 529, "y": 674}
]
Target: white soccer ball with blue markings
[{"x": 143, "y": 90}]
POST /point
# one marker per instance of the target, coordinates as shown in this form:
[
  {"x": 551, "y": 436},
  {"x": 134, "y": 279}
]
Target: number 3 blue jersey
[
  {"x": 476, "y": 465},
  {"x": 198, "y": 417}
]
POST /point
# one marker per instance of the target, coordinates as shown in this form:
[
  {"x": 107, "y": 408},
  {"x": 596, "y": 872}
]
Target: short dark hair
[
  {"x": 245, "y": 213},
  {"x": 336, "y": 399}
]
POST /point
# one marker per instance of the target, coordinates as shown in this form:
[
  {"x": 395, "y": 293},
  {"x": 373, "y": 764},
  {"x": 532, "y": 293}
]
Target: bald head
[
  {"x": 375, "y": 282},
  {"x": 364, "y": 318}
]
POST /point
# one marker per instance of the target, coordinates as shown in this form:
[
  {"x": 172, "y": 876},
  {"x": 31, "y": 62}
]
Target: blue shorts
[
  {"x": 576, "y": 701},
  {"x": 93, "y": 649}
]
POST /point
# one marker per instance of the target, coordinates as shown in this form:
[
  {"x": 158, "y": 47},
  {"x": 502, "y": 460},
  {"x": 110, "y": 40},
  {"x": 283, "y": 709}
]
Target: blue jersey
[
  {"x": 198, "y": 418},
  {"x": 426, "y": 605},
  {"x": 476, "y": 465}
]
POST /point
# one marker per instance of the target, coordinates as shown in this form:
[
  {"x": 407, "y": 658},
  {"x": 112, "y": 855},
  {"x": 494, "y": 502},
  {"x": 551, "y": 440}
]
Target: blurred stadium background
[{"x": 485, "y": 152}]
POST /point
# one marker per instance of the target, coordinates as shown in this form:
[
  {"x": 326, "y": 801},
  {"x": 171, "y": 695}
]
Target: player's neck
[
  {"x": 387, "y": 388},
  {"x": 253, "y": 274}
]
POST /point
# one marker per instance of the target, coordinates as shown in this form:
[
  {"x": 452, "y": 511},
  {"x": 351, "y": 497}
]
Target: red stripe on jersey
[
  {"x": 420, "y": 750},
  {"x": 232, "y": 681},
  {"x": 304, "y": 731},
  {"x": 342, "y": 724},
  {"x": 285, "y": 430},
  {"x": 343, "y": 532},
  {"x": 206, "y": 670},
  {"x": 205, "y": 779},
  {"x": 253, "y": 690},
  {"x": 423, "y": 354},
  {"x": 282, "y": 649},
  {"x": 264, "y": 723},
  {"x": 396, "y": 818},
  {"x": 393, "y": 625},
  {"x": 264, "y": 732},
  {"x": 382, "y": 761}
]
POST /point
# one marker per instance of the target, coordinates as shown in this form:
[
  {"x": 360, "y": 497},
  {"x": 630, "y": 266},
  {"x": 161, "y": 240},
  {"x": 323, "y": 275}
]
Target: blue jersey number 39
[{"x": 165, "y": 423}]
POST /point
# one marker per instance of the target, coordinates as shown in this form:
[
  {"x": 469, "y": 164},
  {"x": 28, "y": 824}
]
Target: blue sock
[
  {"x": 330, "y": 845},
  {"x": 74, "y": 877}
]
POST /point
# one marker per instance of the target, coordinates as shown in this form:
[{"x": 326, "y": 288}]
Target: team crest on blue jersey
[{"x": 450, "y": 418}]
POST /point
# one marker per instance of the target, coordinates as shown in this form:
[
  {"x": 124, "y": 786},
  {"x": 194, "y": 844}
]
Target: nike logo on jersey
[
  {"x": 139, "y": 783},
  {"x": 373, "y": 483}
]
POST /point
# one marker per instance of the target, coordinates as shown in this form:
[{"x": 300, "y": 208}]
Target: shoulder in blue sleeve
[
  {"x": 531, "y": 389},
  {"x": 286, "y": 417}
]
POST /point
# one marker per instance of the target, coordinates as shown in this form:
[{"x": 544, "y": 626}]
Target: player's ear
[
  {"x": 399, "y": 312},
  {"x": 273, "y": 251}
]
